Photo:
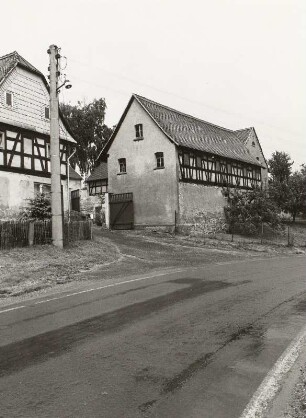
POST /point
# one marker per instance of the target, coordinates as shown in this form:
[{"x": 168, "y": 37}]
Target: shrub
[
  {"x": 248, "y": 209},
  {"x": 38, "y": 208}
]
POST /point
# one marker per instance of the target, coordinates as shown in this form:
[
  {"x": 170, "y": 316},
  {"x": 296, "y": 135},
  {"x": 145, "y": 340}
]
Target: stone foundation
[{"x": 201, "y": 209}]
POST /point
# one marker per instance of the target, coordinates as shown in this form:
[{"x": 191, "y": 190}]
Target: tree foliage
[
  {"x": 90, "y": 132},
  {"x": 38, "y": 208},
  {"x": 248, "y": 209},
  {"x": 280, "y": 166},
  {"x": 296, "y": 194},
  {"x": 287, "y": 189}
]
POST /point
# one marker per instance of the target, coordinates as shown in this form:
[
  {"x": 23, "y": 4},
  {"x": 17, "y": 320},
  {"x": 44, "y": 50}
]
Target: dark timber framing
[
  {"x": 211, "y": 169},
  {"x": 97, "y": 187},
  {"x": 26, "y": 152}
]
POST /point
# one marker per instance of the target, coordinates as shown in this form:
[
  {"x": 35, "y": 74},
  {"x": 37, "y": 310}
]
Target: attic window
[
  {"x": 253, "y": 144},
  {"x": 9, "y": 99},
  {"x": 257, "y": 158},
  {"x": 47, "y": 113},
  {"x": 139, "y": 131}
]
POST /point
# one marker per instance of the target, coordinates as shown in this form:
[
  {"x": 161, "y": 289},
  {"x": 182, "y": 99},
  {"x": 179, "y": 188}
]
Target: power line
[{"x": 218, "y": 109}]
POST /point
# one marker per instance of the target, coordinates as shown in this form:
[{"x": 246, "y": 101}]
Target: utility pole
[{"x": 56, "y": 190}]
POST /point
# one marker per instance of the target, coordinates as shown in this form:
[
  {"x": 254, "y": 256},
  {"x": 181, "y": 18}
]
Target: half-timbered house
[
  {"x": 175, "y": 165},
  {"x": 25, "y": 135}
]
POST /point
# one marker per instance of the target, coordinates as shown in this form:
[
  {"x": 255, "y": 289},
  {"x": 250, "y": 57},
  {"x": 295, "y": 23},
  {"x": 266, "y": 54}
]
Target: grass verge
[{"x": 28, "y": 269}]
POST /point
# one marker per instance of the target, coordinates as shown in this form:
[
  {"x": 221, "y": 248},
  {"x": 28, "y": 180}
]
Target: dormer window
[
  {"x": 9, "y": 99},
  {"x": 47, "y": 113},
  {"x": 139, "y": 131}
]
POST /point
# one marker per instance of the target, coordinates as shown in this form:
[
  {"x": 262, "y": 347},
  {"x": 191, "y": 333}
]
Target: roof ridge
[
  {"x": 7, "y": 55},
  {"x": 182, "y": 113},
  {"x": 18, "y": 59},
  {"x": 244, "y": 129}
]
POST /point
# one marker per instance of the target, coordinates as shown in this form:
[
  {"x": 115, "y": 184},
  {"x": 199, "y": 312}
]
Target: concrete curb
[
  {"x": 266, "y": 393},
  {"x": 290, "y": 401}
]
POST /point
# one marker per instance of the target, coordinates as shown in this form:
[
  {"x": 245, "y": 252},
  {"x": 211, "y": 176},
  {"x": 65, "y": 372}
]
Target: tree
[
  {"x": 39, "y": 208},
  {"x": 280, "y": 166},
  {"x": 295, "y": 200},
  {"x": 247, "y": 210},
  {"x": 289, "y": 191},
  {"x": 91, "y": 133}
]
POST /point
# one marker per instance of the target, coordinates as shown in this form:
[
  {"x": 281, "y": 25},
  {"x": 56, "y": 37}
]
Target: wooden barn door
[
  {"x": 75, "y": 200},
  {"x": 121, "y": 211}
]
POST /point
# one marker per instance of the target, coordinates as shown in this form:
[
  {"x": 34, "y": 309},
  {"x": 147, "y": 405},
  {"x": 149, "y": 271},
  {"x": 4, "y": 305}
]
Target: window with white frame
[
  {"x": 42, "y": 188},
  {"x": 122, "y": 165},
  {"x": 159, "y": 160},
  {"x": 139, "y": 131}
]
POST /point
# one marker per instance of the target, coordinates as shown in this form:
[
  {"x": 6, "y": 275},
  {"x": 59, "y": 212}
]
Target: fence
[
  {"x": 289, "y": 235},
  {"x": 23, "y": 233}
]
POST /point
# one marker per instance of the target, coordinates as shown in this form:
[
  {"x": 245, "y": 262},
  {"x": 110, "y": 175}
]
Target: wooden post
[
  {"x": 31, "y": 234},
  {"x": 107, "y": 211},
  {"x": 262, "y": 231},
  {"x": 288, "y": 234}
]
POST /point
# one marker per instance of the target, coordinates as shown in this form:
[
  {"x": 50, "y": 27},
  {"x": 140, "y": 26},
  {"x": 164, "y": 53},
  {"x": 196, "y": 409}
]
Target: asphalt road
[{"x": 195, "y": 342}]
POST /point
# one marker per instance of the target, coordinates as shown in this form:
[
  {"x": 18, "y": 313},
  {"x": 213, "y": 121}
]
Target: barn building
[{"x": 173, "y": 166}]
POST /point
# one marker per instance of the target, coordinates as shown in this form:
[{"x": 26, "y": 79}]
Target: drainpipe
[{"x": 68, "y": 192}]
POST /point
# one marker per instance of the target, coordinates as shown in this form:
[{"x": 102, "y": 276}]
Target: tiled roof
[
  {"x": 243, "y": 134},
  {"x": 99, "y": 173},
  {"x": 190, "y": 132},
  {"x": 73, "y": 175},
  {"x": 9, "y": 61}
]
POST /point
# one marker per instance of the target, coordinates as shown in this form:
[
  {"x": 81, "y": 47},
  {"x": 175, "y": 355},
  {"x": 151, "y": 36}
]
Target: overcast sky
[{"x": 233, "y": 63}]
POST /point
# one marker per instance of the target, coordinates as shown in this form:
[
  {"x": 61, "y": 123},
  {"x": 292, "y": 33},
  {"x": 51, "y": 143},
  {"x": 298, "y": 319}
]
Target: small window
[
  {"x": 159, "y": 159},
  {"x": 9, "y": 99},
  {"x": 139, "y": 131},
  {"x": 122, "y": 165},
  {"x": 47, "y": 113},
  {"x": 48, "y": 150},
  {"x": 257, "y": 158},
  {"x": 253, "y": 144},
  {"x": 1, "y": 140},
  {"x": 42, "y": 188}
]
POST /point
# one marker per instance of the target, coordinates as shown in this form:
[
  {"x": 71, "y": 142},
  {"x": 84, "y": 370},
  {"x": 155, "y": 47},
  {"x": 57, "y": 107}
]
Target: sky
[{"x": 234, "y": 63}]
